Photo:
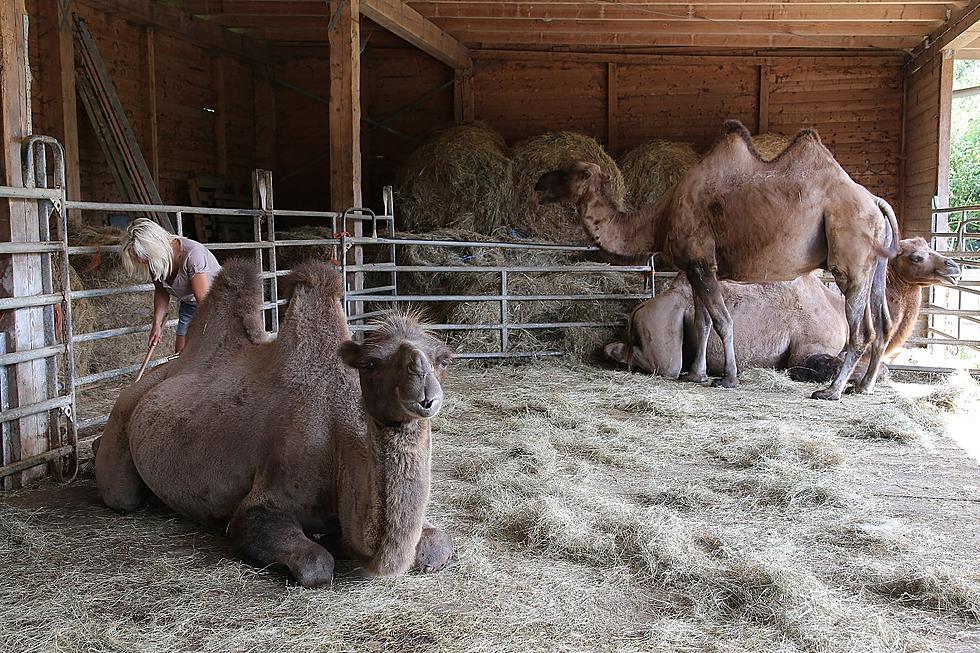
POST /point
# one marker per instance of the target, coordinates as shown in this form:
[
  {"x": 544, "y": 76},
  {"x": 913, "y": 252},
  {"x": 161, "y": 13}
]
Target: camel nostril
[{"x": 426, "y": 403}]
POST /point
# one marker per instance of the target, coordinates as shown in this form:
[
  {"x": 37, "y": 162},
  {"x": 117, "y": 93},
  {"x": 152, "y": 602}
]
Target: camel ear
[{"x": 350, "y": 353}]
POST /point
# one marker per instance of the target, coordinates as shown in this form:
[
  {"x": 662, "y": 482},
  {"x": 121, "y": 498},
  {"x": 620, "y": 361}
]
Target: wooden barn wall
[
  {"x": 403, "y": 89},
  {"x": 187, "y": 100},
  {"x": 925, "y": 174},
  {"x": 854, "y": 102}
]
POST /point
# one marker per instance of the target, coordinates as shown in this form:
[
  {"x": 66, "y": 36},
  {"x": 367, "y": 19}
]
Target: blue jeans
[{"x": 184, "y": 316}]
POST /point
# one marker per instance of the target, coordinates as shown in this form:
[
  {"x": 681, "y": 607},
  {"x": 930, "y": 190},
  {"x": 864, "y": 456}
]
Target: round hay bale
[
  {"x": 459, "y": 178},
  {"x": 540, "y": 154},
  {"x": 653, "y": 167},
  {"x": 771, "y": 144}
]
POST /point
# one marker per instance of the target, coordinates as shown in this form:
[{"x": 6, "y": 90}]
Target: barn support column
[
  {"x": 463, "y": 95},
  {"x": 21, "y": 273},
  {"x": 345, "y": 106}
]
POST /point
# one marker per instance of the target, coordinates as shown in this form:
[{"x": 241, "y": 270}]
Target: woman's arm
[
  {"x": 200, "y": 285},
  {"x": 161, "y": 303}
]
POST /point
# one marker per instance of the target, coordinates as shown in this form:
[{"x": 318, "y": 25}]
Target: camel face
[
  {"x": 570, "y": 183},
  {"x": 921, "y": 265},
  {"x": 401, "y": 368}
]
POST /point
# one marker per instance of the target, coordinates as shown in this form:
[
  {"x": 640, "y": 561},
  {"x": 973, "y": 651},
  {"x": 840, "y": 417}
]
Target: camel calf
[
  {"x": 280, "y": 439},
  {"x": 797, "y": 325}
]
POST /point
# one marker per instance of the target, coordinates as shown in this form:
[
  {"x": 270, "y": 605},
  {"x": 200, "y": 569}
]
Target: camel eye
[
  {"x": 915, "y": 258},
  {"x": 443, "y": 363},
  {"x": 370, "y": 364}
]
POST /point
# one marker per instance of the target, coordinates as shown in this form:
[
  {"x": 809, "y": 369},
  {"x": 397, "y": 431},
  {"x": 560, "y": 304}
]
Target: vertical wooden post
[
  {"x": 221, "y": 116},
  {"x": 612, "y": 108},
  {"x": 763, "y": 125},
  {"x": 265, "y": 118},
  {"x": 19, "y": 223},
  {"x": 463, "y": 96},
  {"x": 345, "y": 105},
  {"x": 945, "y": 100},
  {"x": 151, "y": 94}
]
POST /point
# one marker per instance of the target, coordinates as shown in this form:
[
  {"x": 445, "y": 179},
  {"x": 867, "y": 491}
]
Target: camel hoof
[
  {"x": 858, "y": 389},
  {"x": 691, "y": 377},
  {"x": 827, "y": 395},
  {"x": 434, "y": 550},
  {"x": 314, "y": 572},
  {"x": 724, "y": 383}
]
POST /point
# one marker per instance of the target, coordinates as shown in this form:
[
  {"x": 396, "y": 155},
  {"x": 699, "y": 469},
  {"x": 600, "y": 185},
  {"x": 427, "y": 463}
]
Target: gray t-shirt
[{"x": 195, "y": 258}]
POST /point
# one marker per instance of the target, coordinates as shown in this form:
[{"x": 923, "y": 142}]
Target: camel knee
[
  {"x": 617, "y": 351},
  {"x": 434, "y": 550},
  {"x": 268, "y": 537}
]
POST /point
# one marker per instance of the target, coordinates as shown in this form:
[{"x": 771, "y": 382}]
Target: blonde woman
[{"x": 178, "y": 266}]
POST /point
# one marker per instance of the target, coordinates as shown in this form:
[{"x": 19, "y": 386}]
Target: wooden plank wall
[
  {"x": 186, "y": 99},
  {"x": 924, "y": 178},
  {"x": 854, "y": 102}
]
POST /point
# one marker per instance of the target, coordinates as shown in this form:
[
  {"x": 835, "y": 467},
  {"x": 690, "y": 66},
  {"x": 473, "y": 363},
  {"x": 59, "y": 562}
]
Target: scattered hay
[
  {"x": 958, "y": 393},
  {"x": 460, "y": 178},
  {"x": 771, "y": 144},
  {"x": 889, "y": 423},
  {"x": 787, "y": 485},
  {"x": 781, "y": 444},
  {"x": 937, "y": 587},
  {"x": 534, "y": 157},
  {"x": 651, "y": 168},
  {"x": 769, "y": 380}
]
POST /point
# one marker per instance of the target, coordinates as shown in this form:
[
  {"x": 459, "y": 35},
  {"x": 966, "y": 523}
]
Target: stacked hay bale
[
  {"x": 771, "y": 144},
  {"x": 460, "y": 178},
  {"x": 540, "y": 154},
  {"x": 289, "y": 257},
  {"x": 653, "y": 167}
]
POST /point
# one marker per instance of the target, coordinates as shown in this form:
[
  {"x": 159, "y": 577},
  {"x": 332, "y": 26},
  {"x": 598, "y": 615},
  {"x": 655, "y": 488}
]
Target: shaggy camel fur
[
  {"x": 279, "y": 439},
  {"x": 796, "y": 324},
  {"x": 737, "y": 216}
]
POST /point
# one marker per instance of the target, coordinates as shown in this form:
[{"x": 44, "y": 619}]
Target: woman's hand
[{"x": 155, "y": 334}]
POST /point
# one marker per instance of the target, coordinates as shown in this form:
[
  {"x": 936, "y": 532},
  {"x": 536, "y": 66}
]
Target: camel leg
[
  {"x": 698, "y": 372},
  {"x": 270, "y": 536},
  {"x": 433, "y": 551},
  {"x": 707, "y": 293},
  {"x": 116, "y": 477},
  {"x": 856, "y": 297},
  {"x": 882, "y": 326}
]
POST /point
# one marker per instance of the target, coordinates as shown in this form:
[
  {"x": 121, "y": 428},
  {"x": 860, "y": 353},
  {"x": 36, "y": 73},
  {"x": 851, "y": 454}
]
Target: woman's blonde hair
[{"x": 145, "y": 240}]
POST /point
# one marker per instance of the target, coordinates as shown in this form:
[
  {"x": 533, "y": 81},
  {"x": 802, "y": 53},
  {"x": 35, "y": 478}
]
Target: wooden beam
[
  {"x": 59, "y": 82},
  {"x": 166, "y": 18},
  {"x": 815, "y": 57},
  {"x": 265, "y": 118},
  {"x": 962, "y": 28},
  {"x": 151, "y": 94},
  {"x": 403, "y": 21},
  {"x": 220, "y": 116},
  {"x": 612, "y": 108},
  {"x": 345, "y": 106},
  {"x": 945, "y": 119},
  {"x": 463, "y": 96},
  {"x": 681, "y": 12},
  {"x": 19, "y": 223},
  {"x": 763, "y": 126}
]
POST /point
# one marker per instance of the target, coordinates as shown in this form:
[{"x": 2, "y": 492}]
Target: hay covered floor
[{"x": 593, "y": 510}]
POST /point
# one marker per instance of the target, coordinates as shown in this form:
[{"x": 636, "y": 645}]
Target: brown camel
[
  {"x": 280, "y": 439},
  {"x": 797, "y": 325},
  {"x": 739, "y": 217}
]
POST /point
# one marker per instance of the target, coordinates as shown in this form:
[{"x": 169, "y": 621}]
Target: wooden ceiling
[{"x": 614, "y": 24}]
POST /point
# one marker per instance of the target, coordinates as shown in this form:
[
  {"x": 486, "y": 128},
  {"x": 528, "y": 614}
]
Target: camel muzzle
[
  {"x": 951, "y": 273},
  {"x": 421, "y": 395}
]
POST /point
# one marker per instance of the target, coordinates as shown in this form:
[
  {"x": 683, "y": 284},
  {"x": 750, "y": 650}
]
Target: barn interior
[{"x": 593, "y": 508}]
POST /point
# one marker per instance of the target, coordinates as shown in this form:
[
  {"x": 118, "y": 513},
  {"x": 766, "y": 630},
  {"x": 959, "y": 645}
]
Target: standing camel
[
  {"x": 280, "y": 439},
  {"x": 737, "y": 216}
]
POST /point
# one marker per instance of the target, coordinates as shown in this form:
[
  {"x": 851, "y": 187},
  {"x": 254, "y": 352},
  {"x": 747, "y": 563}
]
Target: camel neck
[
  {"x": 904, "y": 301},
  {"x": 624, "y": 233},
  {"x": 401, "y": 456}
]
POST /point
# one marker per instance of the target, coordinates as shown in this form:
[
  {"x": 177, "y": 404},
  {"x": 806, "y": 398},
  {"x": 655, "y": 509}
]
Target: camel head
[
  {"x": 920, "y": 265},
  {"x": 571, "y": 182},
  {"x": 402, "y": 367}
]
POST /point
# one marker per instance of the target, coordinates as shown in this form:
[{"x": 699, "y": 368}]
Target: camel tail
[
  {"x": 880, "y": 318},
  {"x": 630, "y": 336},
  {"x": 891, "y": 239}
]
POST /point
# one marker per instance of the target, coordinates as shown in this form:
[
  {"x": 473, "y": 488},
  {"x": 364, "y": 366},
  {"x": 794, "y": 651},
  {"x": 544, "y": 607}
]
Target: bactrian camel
[
  {"x": 736, "y": 216},
  {"x": 281, "y": 439},
  {"x": 797, "y": 325}
]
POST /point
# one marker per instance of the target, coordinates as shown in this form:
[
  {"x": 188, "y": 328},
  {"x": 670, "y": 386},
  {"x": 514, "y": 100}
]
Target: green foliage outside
[{"x": 964, "y": 157}]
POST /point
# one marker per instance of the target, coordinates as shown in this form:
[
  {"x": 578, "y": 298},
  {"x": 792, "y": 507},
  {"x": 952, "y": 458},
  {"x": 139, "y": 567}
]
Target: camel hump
[
  {"x": 231, "y": 315},
  {"x": 313, "y": 275},
  {"x": 736, "y": 127}
]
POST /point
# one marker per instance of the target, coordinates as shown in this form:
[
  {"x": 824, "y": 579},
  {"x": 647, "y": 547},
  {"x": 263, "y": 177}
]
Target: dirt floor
[{"x": 593, "y": 510}]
